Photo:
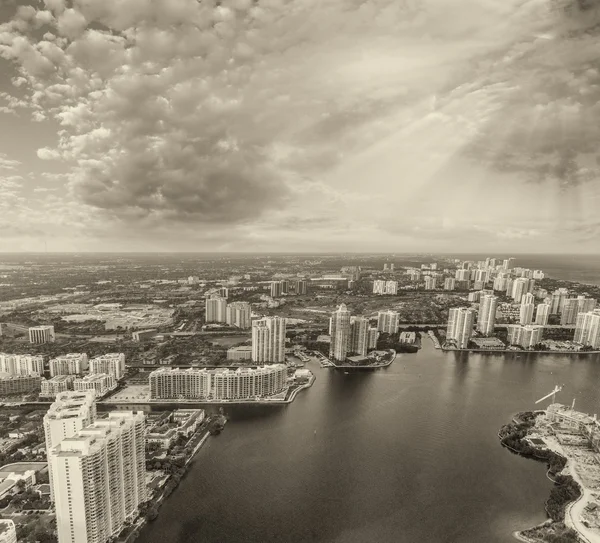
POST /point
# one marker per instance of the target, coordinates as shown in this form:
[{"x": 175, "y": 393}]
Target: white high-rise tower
[
  {"x": 340, "y": 333},
  {"x": 487, "y": 314},
  {"x": 99, "y": 478},
  {"x": 268, "y": 340},
  {"x": 70, "y": 412}
]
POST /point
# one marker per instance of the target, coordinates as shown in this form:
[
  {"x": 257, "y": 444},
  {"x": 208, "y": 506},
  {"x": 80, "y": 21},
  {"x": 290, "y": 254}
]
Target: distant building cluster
[
  {"x": 236, "y": 314},
  {"x": 285, "y": 287},
  {"x": 530, "y": 311}
]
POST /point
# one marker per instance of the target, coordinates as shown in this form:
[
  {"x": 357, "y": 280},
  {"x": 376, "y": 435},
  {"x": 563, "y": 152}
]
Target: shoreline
[
  {"x": 142, "y": 520},
  {"x": 370, "y": 367},
  {"x": 505, "y": 351}
]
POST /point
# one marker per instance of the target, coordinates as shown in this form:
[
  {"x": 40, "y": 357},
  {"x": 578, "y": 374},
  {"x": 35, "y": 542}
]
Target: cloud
[
  {"x": 547, "y": 126},
  {"x": 259, "y": 118},
  {"x": 8, "y": 164},
  {"x": 48, "y": 154},
  {"x": 176, "y": 110}
]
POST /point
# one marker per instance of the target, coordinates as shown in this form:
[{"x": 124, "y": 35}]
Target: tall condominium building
[
  {"x": 509, "y": 286},
  {"x": 500, "y": 282},
  {"x": 301, "y": 287},
  {"x": 542, "y": 314},
  {"x": 449, "y": 283},
  {"x": 557, "y": 300},
  {"x": 18, "y": 384},
  {"x": 69, "y": 364},
  {"x": 111, "y": 363},
  {"x": 8, "y": 531},
  {"x": 526, "y": 313},
  {"x": 460, "y": 326},
  {"x": 268, "y": 340},
  {"x": 340, "y": 333},
  {"x": 99, "y": 478},
  {"x": 525, "y": 336},
  {"x": 285, "y": 286},
  {"x": 69, "y": 413},
  {"x": 359, "y": 336},
  {"x": 528, "y": 299},
  {"x": 585, "y": 305},
  {"x": 239, "y": 314},
  {"x": 21, "y": 364},
  {"x": 379, "y": 287},
  {"x": 520, "y": 287},
  {"x": 482, "y": 276},
  {"x": 430, "y": 283},
  {"x": 352, "y": 272},
  {"x": 391, "y": 287},
  {"x": 508, "y": 264},
  {"x": 569, "y": 311},
  {"x": 387, "y": 321},
  {"x": 373, "y": 337},
  {"x": 538, "y": 274},
  {"x": 50, "y": 388},
  {"x": 474, "y": 297},
  {"x": 462, "y": 275},
  {"x": 587, "y": 329},
  {"x": 221, "y": 383},
  {"x": 223, "y": 292},
  {"x": 276, "y": 289},
  {"x": 414, "y": 275},
  {"x": 486, "y": 318},
  {"x": 216, "y": 309},
  {"x": 41, "y": 334},
  {"x": 385, "y": 287}
]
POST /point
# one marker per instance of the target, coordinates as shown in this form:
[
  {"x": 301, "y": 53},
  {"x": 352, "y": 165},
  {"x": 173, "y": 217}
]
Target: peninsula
[{"x": 568, "y": 441}]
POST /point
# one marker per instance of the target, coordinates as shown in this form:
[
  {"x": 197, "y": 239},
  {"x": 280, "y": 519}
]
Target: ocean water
[{"x": 404, "y": 454}]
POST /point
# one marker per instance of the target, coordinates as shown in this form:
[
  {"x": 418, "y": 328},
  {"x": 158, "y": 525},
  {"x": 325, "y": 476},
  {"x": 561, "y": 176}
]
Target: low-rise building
[
  {"x": 69, "y": 364},
  {"x": 18, "y": 384},
  {"x": 408, "y": 337},
  {"x": 101, "y": 383},
  {"x": 59, "y": 383},
  {"x": 240, "y": 353},
  {"x": 9, "y": 481},
  {"x": 491, "y": 343},
  {"x": 41, "y": 334},
  {"x": 184, "y": 422},
  {"x": 143, "y": 335},
  {"x": 8, "y": 531},
  {"x": 110, "y": 363}
]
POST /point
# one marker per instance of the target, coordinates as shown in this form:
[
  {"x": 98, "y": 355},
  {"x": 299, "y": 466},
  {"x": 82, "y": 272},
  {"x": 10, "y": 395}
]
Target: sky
[{"x": 300, "y": 125}]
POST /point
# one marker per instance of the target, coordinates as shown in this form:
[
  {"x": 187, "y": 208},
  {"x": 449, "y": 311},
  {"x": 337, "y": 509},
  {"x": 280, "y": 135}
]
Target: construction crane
[{"x": 553, "y": 394}]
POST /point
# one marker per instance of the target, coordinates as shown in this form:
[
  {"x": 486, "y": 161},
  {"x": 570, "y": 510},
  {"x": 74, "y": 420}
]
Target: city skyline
[{"x": 299, "y": 129}]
